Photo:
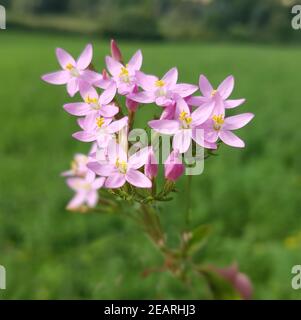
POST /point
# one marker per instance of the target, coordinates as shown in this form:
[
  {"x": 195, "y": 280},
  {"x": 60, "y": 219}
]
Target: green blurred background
[{"x": 251, "y": 197}]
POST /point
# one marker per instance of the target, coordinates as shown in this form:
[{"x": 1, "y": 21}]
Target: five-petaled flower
[{"x": 75, "y": 73}]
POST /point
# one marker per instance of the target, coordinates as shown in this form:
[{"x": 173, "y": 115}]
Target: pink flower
[
  {"x": 74, "y": 73},
  {"x": 115, "y": 51},
  {"x": 220, "y": 127},
  {"x": 173, "y": 167},
  {"x": 125, "y": 75},
  {"x": 219, "y": 96},
  {"x": 100, "y": 129},
  {"x": 151, "y": 166},
  {"x": 163, "y": 92},
  {"x": 120, "y": 168},
  {"x": 85, "y": 192},
  {"x": 186, "y": 126},
  {"x": 93, "y": 103}
]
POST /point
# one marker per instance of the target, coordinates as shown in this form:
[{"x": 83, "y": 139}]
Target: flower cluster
[{"x": 189, "y": 119}]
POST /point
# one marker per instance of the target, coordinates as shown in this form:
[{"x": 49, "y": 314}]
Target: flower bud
[
  {"x": 173, "y": 167},
  {"x": 239, "y": 280},
  {"x": 131, "y": 104},
  {"x": 115, "y": 51},
  {"x": 151, "y": 167}
]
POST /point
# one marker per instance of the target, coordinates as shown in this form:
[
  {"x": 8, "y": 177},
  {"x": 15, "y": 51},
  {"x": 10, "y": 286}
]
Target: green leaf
[{"x": 197, "y": 238}]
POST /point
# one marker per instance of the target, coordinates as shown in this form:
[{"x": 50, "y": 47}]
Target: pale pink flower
[
  {"x": 74, "y": 73},
  {"x": 173, "y": 166},
  {"x": 85, "y": 192},
  {"x": 218, "y": 96},
  {"x": 185, "y": 127},
  {"x": 162, "y": 91},
  {"x": 125, "y": 75},
  {"x": 98, "y": 128},
  {"x": 131, "y": 104},
  {"x": 219, "y": 127},
  {"x": 121, "y": 168},
  {"x": 93, "y": 103}
]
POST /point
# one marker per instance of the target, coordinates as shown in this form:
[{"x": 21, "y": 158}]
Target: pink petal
[
  {"x": 185, "y": 89},
  {"x": 171, "y": 77},
  {"x": 144, "y": 97},
  {"x": 146, "y": 82},
  {"x": 107, "y": 96},
  {"x": 211, "y": 135},
  {"x": 201, "y": 114},
  {"x": 64, "y": 58},
  {"x": 90, "y": 121},
  {"x": 229, "y": 104},
  {"x": 115, "y": 51},
  {"x": 197, "y": 101},
  {"x": 168, "y": 112},
  {"x": 59, "y": 77},
  {"x": 165, "y": 126},
  {"x": 98, "y": 183},
  {"x": 77, "y": 108},
  {"x": 231, "y": 139},
  {"x": 238, "y": 121},
  {"x": 74, "y": 183},
  {"x": 181, "y": 106},
  {"x": 88, "y": 91},
  {"x": 136, "y": 61},
  {"x": 109, "y": 111},
  {"x": 226, "y": 87},
  {"x": 91, "y": 76},
  {"x": 85, "y": 58},
  {"x": 138, "y": 179},
  {"x": 117, "y": 180},
  {"x": 181, "y": 140},
  {"x": 113, "y": 66},
  {"x": 205, "y": 86},
  {"x": 139, "y": 159},
  {"x": 92, "y": 198},
  {"x": 103, "y": 170},
  {"x": 72, "y": 86},
  {"x": 198, "y": 137},
  {"x": 84, "y": 136},
  {"x": 163, "y": 101},
  {"x": 116, "y": 126},
  {"x": 76, "y": 201}
]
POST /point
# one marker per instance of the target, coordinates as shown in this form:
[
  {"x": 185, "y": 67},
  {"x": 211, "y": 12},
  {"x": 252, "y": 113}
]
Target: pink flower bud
[
  {"x": 131, "y": 104},
  {"x": 239, "y": 280},
  {"x": 151, "y": 167},
  {"x": 173, "y": 167},
  {"x": 105, "y": 74},
  {"x": 115, "y": 51}
]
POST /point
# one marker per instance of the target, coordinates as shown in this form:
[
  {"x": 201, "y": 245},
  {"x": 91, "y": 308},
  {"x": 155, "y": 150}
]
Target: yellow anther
[
  {"x": 69, "y": 66},
  {"x": 74, "y": 165},
  {"x": 188, "y": 120},
  {"x": 121, "y": 165},
  {"x": 160, "y": 83},
  {"x": 183, "y": 115},
  {"x": 91, "y": 100},
  {"x": 218, "y": 121},
  {"x": 213, "y": 93},
  {"x": 124, "y": 72},
  {"x": 100, "y": 121}
]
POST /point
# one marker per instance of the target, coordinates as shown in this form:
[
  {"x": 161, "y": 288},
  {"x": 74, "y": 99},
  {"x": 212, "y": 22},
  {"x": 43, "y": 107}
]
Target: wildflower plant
[{"x": 121, "y": 174}]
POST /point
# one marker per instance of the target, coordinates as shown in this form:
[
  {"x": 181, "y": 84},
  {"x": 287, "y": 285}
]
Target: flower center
[
  {"x": 218, "y": 121},
  {"x": 121, "y": 165},
  {"x": 160, "y": 83},
  {"x": 100, "y": 121},
  {"x": 74, "y": 72},
  {"x": 186, "y": 120},
  {"x": 93, "y": 102},
  {"x": 124, "y": 74},
  {"x": 213, "y": 93}
]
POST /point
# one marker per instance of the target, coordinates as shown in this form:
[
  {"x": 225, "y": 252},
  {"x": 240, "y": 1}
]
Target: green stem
[{"x": 188, "y": 201}]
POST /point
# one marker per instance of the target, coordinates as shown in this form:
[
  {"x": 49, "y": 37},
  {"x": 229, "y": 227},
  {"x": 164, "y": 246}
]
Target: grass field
[{"x": 251, "y": 197}]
